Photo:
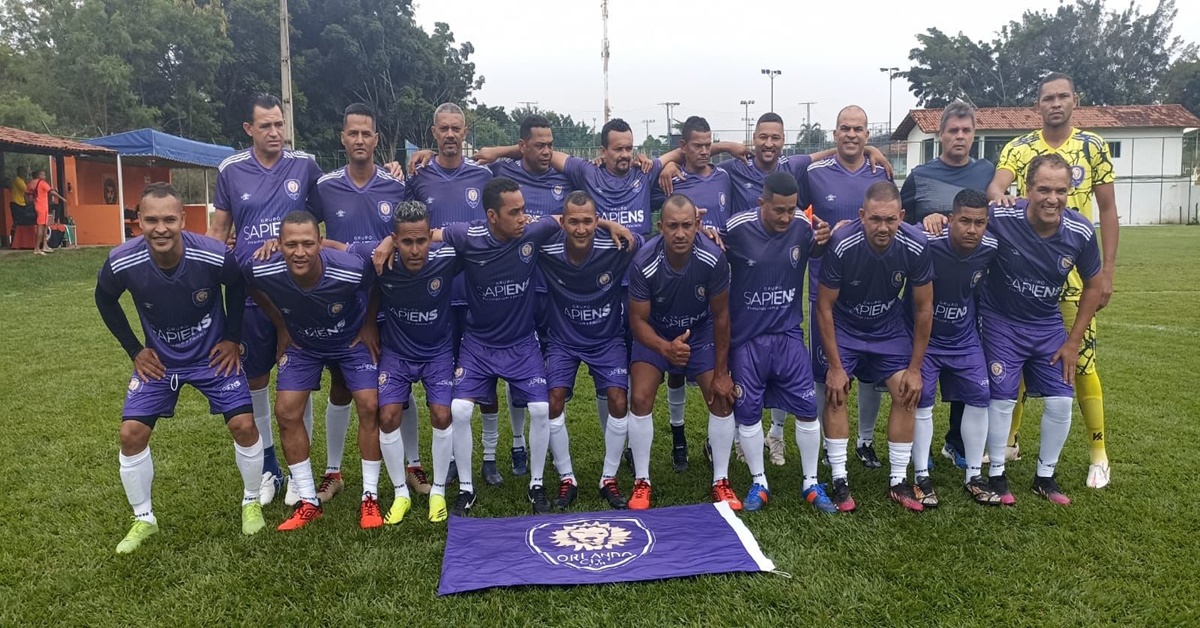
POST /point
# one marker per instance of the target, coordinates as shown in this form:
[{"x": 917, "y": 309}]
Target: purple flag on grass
[{"x": 597, "y": 547}]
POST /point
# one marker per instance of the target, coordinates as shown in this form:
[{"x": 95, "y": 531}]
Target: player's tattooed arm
[
  {"x": 910, "y": 381},
  {"x": 1110, "y": 233},
  {"x": 836, "y": 381}
]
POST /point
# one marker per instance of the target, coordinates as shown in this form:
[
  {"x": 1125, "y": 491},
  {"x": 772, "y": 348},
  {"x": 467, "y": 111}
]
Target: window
[
  {"x": 927, "y": 148},
  {"x": 1115, "y": 149},
  {"x": 993, "y": 145}
]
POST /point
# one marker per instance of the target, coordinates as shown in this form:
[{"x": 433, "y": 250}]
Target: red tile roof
[
  {"x": 1027, "y": 119},
  {"x": 18, "y": 141}
]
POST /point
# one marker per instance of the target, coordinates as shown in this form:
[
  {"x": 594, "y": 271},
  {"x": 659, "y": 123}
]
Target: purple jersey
[
  {"x": 327, "y": 317},
  {"x": 498, "y": 278},
  {"x": 870, "y": 282},
  {"x": 416, "y": 307},
  {"x": 624, "y": 200},
  {"x": 746, "y": 180},
  {"x": 452, "y": 196},
  {"x": 767, "y": 274},
  {"x": 182, "y": 313},
  {"x": 837, "y": 194},
  {"x": 586, "y": 300},
  {"x": 679, "y": 299},
  {"x": 710, "y": 193},
  {"x": 259, "y": 197},
  {"x": 956, "y": 279},
  {"x": 1026, "y": 278},
  {"x": 354, "y": 214},
  {"x": 544, "y": 193}
]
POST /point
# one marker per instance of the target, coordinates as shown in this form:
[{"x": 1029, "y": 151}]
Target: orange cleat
[
  {"x": 369, "y": 514},
  {"x": 301, "y": 516},
  {"x": 640, "y": 500},
  {"x": 722, "y": 492}
]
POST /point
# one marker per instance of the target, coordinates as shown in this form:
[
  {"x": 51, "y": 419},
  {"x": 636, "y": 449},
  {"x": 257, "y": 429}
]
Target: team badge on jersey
[
  {"x": 721, "y": 199},
  {"x": 292, "y": 187},
  {"x": 604, "y": 280},
  {"x": 1076, "y": 175},
  {"x": 473, "y": 197},
  {"x": 526, "y": 252},
  {"x": 385, "y": 210},
  {"x": 383, "y": 379},
  {"x": 997, "y": 370},
  {"x": 336, "y": 308},
  {"x": 434, "y": 286},
  {"x": 794, "y": 254},
  {"x": 1065, "y": 263},
  {"x": 200, "y": 297},
  {"x": 975, "y": 279},
  {"x": 897, "y": 278},
  {"x": 589, "y": 545},
  {"x": 701, "y": 293},
  {"x": 241, "y": 348},
  {"x": 557, "y": 192},
  {"x": 135, "y": 384}
]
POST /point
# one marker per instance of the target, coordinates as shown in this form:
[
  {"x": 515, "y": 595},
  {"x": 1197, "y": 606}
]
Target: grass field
[{"x": 1126, "y": 555}]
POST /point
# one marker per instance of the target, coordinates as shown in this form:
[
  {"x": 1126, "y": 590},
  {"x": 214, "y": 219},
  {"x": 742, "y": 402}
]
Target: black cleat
[
  {"x": 452, "y": 473},
  {"x": 567, "y": 492},
  {"x": 840, "y": 495},
  {"x": 1047, "y": 487},
  {"x": 866, "y": 453},
  {"x": 520, "y": 461},
  {"x": 628, "y": 455},
  {"x": 999, "y": 486},
  {"x": 708, "y": 450},
  {"x": 923, "y": 490},
  {"x": 980, "y": 491},
  {"x": 463, "y": 504},
  {"x": 611, "y": 493},
  {"x": 537, "y": 497},
  {"x": 491, "y": 475},
  {"x": 679, "y": 449}
]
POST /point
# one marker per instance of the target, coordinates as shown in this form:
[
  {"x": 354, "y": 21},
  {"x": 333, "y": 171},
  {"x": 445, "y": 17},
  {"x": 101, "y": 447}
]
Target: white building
[{"x": 1146, "y": 141}]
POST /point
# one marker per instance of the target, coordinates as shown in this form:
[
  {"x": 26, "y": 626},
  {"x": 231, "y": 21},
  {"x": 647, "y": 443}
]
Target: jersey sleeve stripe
[
  {"x": 203, "y": 256},
  {"x": 348, "y": 274},
  {"x": 336, "y": 174},
  {"x": 847, "y": 244},
  {"x": 129, "y": 261},
  {"x": 263, "y": 271},
  {"x": 233, "y": 159},
  {"x": 651, "y": 268},
  {"x": 704, "y": 256},
  {"x": 740, "y": 219}
]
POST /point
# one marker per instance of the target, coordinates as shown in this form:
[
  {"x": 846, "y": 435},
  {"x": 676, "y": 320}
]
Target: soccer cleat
[
  {"x": 1048, "y": 488},
  {"x": 520, "y": 461},
  {"x": 331, "y": 484},
  {"x": 401, "y": 506},
  {"x": 369, "y": 516},
  {"x": 722, "y": 492},
  {"x": 841, "y": 495},
  {"x": 252, "y": 518},
  {"x": 708, "y": 451},
  {"x": 775, "y": 449},
  {"x": 301, "y": 516},
  {"x": 679, "y": 450},
  {"x": 923, "y": 490},
  {"x": 866, "y": 453},
  {"x": 816, "y": 496},
  {"x": 640, "y": 500},
  {"x": 611, "y": 493},
  {"x": 825, "y": 457},
  {"x": 437, "y": 508},
  {"x": 999, "y": 486},
  {"x": 140, "y": 531},
  {"x": 903, "y": 494},
  {"x": 291, "y": 496},
  {"x": 980, "y": 491},
  {"x": 491, "y": 475},
  {"x": 567, "y": 492},
  {"x": 737, "y": 451},
  {"x": 417, "y": 480},
  {"x": 1098, "y": 475},
  {"x": 756, "y": 498},
  {"x": 537, "y": 497},
  {"x": 452, "y": 472},
  {"x": 462, "y": 504},
  {"x": 949, "y": 452},
  {"x": 268, "y": 487},
  {"x": 628, "y": 455}
]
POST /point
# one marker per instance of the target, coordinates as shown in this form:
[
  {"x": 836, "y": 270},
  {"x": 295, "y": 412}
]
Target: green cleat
[
  {"x": 400, "y": 507},
  {"x": 252, "y": 518},
  {"x": 437, "y": 508},
  {"x": 140, "y": 531}
]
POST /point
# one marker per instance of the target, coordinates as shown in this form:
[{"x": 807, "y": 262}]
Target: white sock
[
  {"x": 752, "y": 446},
  {"x": 720, "y": 436},
  {"x": 260, "y": 400},
  {"x": 539, "y": 441},
  {"x": 898, "y": 455},
  {"x": 308, "y": 417},
  {"x": 301, "y": 473},
  {"x": 137, "y": 474},
  {"x": 490, "y": 433},
  {"x": 443, "y": 451},
  {"x": 337, "y": 423},
  {"x": 641, "y": 436},
  {"x": 1056, "y": 425},
  {"x": 836, "y": 448},
  {"x": 808, "y": 440},
  {"x": 461, "y": 411},
  {"x": 614, "y": 446},
  {"x": 370, "y": 472},
  {"x": 677, "y": 404},
  {"x": 778, "y": 420},
  {"x": 1000, "y": 413},
  {"x": 869, "y": 401},
  {"x": 392, "y": 445},
  {"x": 922, "y": 441},
  {"x": 974, "y": 434},
  {"x": 516, "y": 417},
  {"x": 410, "y": 433},
  {"x": 820, "y": 386},
  {"x": 602, "y": 412},
  {"x": 249, "y": 463},
  {"x": 560, "y": 446}
]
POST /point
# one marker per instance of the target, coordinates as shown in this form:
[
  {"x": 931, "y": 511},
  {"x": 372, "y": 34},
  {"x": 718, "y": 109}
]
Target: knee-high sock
[
  {"x": 808, "y": 440},
  {"x": 260, "y": 400},
  {"x": 137, "y": 475},
  {"x": 392, "y": 445},
  {"x": 614, "y": 446},
  {"x": 249, "y": 463},
  {"x": 1091, "y": 403},
  {"x": 443, "y": 451},
  {"x": 1056, "y": 425},
  {"x": 974, "y": 436},
  {"x": 1018, "y": 413},
  {"x": 778, "y": 419},
  {"x": 641, "y": 436},
  {"x": 539, "y": 441},
  {"x": 490, "y": 433},
  {"x": 1000, "y": 416},
  {"x": 410, "y": 433},
  {"x": 602, "y": 412},
  {"x": 677, "y": 404},
  {"x": 516, "y": 417},
  {"x": 308, "y": 419},
  {"x": 898, "y": 456},
  {"x": 922, "y": 441},
  {"x": 302, "y": 475},
  {"x": 337, "y": 423},
  {"x": 821, "y": 389},
  {"x": 370, "y": 475},
  {"x": 752, "y": 446},
  {"x": 560, "y": 446},
  {"x": 869, "y": 401},
  {"x": 720, "y": 436},
  {"x": 835, "y": 448},
  {"x": 460, "y": 412}
]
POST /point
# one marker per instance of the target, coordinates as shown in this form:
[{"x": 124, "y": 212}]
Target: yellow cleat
[
  {"x": 140, "y": 531},
  {"x": 437, "y": 508},
  {"x": 400, "y": 507}
]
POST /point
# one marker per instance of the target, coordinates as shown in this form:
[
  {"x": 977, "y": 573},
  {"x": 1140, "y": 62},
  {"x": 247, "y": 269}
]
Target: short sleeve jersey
[
  {"x": 679, "y": 299},
  {"x": 354, "y": 214},
  {"x": 957, "y": 278},
  {"x": 837, "y": 193},
  {"x": 1086, "y": 153},
  {"x": 767, "y": 273},
  {"x": 544, "y": 193},
  {"x": 452, "y": 196},
  {"x": 712, "y": 193},
  {"x": 746, "y": 180},
  {"x": 259, "y": 197},
  {"x": 621, "y": 199},
  {"x": 585, "y": 300}
]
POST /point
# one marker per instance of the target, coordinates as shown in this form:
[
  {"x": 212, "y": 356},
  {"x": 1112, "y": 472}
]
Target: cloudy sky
[{"x": 709, "y": 55}]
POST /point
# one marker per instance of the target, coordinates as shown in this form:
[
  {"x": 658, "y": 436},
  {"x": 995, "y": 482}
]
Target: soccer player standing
[{"x": 175, "y": 279}]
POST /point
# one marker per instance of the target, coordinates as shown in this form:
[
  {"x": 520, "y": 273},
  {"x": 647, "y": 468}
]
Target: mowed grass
[{"x": 1125, "y": 555}]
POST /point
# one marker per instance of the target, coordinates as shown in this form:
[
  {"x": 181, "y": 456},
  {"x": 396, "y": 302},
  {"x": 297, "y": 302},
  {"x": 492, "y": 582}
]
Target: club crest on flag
[
  {"x": 292, "y": 187},
  {"x": 200, "y": 297},
  {"x": 557, "y": 192},
  {"x": 591, "y": 545},
  {"x": 385, "y": 210},
  {"x": 473, "y": 197},
  {"x": 435, "y": 286}
]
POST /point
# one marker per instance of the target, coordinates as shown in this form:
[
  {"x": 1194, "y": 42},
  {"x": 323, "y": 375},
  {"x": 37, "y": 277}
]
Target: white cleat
[
  {"x": 1098, "y": 475},
  {"x": 268, "y": 487},
  {"x": 292, "y": 496},
  {"x": 775, "y": 449}
]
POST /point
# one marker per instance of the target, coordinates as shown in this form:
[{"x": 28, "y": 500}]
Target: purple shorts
[
  {"x": 259, "y": 343},
  {"x": 300, "y": 369},
  {"x": 606, "y": 363},
  {"x": 870, "y": 361},
  {"x": 1014, "y": 350},
  {"x": 702, "y": 361},
  {"x": 963, "y": 378},
  {"x": 397, "y": 375},
  {"x": 157, "y": 398},
  {"x": 773, "y": 371},
  {"x": 481, "y": 366}
]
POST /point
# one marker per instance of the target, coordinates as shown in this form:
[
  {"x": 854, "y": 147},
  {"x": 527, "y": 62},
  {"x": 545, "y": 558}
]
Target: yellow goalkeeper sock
[
  {"x": 1091, "y": 403},
  {"x": 1018, "y": 413}
]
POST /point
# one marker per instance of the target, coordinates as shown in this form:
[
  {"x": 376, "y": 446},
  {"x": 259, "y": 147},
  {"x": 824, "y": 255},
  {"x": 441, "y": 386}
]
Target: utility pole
[
  {"x": 669, "y": 105},
  {"x": 891, "y": 72},
  {"x": 807, "y": 119},
  {"x": 530, "y": 105},
  {"x": 746, "y": 118},
  {"x": 771, "y": 74},
  {"x": 604, "y": 55},
  {"x": 285, "y": 74},
  {"x": 648, "y": 122}
]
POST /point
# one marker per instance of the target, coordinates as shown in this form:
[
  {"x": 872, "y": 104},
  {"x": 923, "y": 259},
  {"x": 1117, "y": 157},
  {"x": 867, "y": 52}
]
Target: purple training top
[
  {"x": 354, "y": 214},
  {"x": 711, "y": 193},
  {"x": 544, "y": 193},
  {"x": 679, "y": 299},
  {"x": 624, "y": 200},
  {"x": 259, "y": 197},
  {"x": 746, "y": 180},
  {"x": 586, "y": 300},
  {"x": 956, "y": 281},
  {"x": 768, "y": 273},
  {"x": 452, "y": 196}
]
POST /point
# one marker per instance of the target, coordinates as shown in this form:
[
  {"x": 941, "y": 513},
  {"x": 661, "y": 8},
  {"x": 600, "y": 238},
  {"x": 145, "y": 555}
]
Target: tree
[
  {"x": 1181, "y": 83},
  {"x": 811, "y": 138}
]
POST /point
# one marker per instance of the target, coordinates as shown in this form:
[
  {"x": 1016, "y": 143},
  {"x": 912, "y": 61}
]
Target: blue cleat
[
  {"x": 950, "y": 452},
  {"x": 756, "y": 499},
  {"x": 816, "y": 496},
  {"x": 520, "y": 461}
]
